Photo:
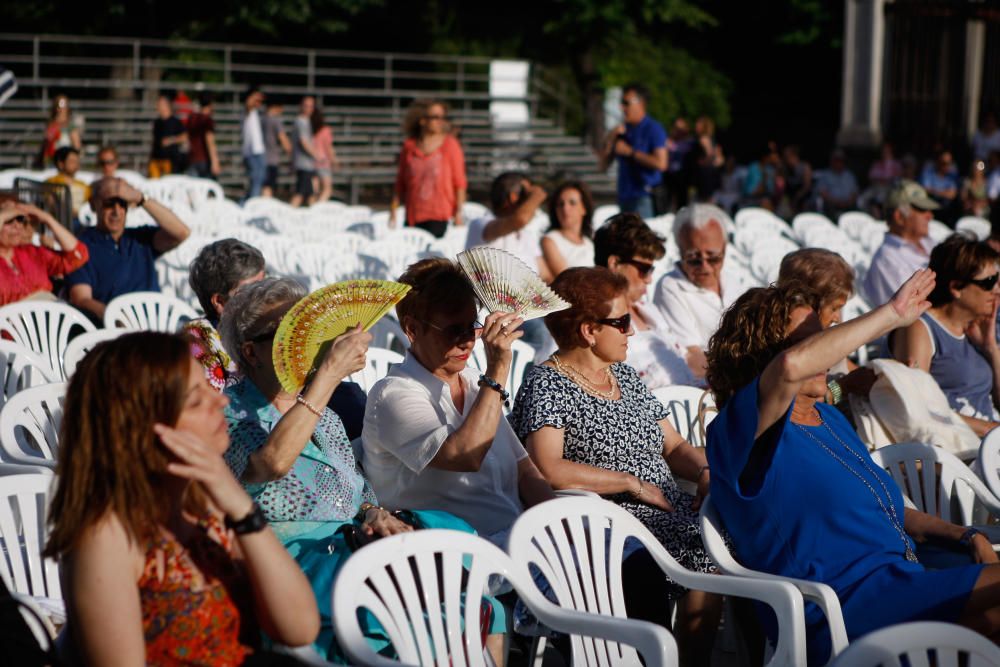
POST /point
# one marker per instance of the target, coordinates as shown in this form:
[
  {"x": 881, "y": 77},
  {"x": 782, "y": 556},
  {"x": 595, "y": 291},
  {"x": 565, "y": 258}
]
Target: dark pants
[{"x": 435, "y": 227}]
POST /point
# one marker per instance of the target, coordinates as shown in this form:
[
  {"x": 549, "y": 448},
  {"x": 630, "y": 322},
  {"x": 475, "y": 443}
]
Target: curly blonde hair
[
  {"x": 752, "y": 333},
  {"x": 418, "y": 109}
]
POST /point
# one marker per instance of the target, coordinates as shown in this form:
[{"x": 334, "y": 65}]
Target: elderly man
[
  {"x": 692, "y": 297},
  {"x": 121, "y": 260},
  {"x": 907, "y": 247},
  {"x": 640, "y": 147}
]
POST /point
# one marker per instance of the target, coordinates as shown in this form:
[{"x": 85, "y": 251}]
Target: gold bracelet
[
  {"x": 639, "y": 494},
  {"x": 309, "y": 406}
]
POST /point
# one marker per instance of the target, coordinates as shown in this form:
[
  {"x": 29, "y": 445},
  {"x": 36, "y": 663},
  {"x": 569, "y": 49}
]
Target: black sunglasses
[
  {"x": 457, "y": 333},
  {"x": 111, "y": 202},
  {"x": 23, "y": 219},
  {"x": 644, "y": 268},
  {"x": 698, "y": 260},
  {"x": 986, "y": 284},
  {"x": 623, "y": 323}
]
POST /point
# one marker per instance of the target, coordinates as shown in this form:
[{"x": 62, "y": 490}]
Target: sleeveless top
[
  {"x": 575, "y": 255},
  {"x": 963, "y": 374},
  {"x": 196, "y": 606}
]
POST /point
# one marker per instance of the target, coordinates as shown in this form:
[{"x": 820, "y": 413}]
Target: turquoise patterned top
[{"x": 325, "y": 484}]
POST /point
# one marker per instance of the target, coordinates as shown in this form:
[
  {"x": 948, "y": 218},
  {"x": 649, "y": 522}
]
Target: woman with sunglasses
[
  {"x": 430, "y": 180},
  {"x": 590, "y": 423},
  {"x": 627, "y": 246},
  {"x": 955, "y": 340},
  {"x": 26, "y": 270}
]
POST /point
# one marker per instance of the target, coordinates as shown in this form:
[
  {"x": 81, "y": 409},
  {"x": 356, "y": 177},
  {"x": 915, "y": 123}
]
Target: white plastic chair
[
  {"x": 854, "y": 223},
  {"x": 550, "y": 536},
  {"x": 43, "y": 327},
  {"x": 804, "y": 221},
  {"x": 522, "y": 357},
  {"x": 388, "y": 335},
  {"x": 84, "y": 343},
  {"x": 415, "y": 584},
  {"x": 21, "y": 368},
  {"x": 684, "y": 402},
  {"x": 29, "y": 425},
  {"x": 988, "y": 462},
  {"x": 939, "y": 484},
  {"x": 377, "y": 364},
  {"x": 978, "y": 227},
  {"x": 919, "y": 644},
  {"x": 23, "y": 504},
  {"x": 355, "y": 267},
  {"x": 712, "y": 530},
  {"x": 153, "y": 311},
  {"x": 766, "y": 259},
  {"x": 938, "y": 231}
]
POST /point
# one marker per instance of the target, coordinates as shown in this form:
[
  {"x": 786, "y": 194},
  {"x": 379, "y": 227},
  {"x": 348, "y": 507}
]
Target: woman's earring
[{"x": 593, "y": 343}]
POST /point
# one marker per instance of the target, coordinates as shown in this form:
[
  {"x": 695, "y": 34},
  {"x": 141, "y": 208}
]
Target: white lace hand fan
[
  {"x": 504, "y": 283},
  {"x": 309, "y": 326}
]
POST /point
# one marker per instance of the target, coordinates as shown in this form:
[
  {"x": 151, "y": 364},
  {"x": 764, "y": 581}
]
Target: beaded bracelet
[
  {"x": 309, "y": 406},
  {"x": 836, "y": 391},
  {"x": 486, "y": 381}
]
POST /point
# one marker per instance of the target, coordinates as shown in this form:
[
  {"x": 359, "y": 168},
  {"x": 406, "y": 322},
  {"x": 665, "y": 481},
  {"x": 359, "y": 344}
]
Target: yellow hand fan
[{"x": 312, "y": 323}]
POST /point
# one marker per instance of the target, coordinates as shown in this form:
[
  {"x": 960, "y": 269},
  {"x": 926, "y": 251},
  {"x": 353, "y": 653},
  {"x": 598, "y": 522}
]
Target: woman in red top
[
  {"x": 165, "y": 558},
  {"x": 26, "y": 269},
  {"x": 431, "y": 178}
]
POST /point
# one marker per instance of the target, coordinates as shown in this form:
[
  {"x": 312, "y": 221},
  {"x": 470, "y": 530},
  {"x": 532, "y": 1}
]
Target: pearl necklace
[{"x": 577, "y": 376}]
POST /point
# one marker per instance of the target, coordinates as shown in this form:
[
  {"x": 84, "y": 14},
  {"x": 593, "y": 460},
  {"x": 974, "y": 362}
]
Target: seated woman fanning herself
[
  {"x": 26, "y": 269},
  {"x": 590, "y": 423},
  {"x": 796, "y": 488},
  {"x": 571, "y": 219},
  {"x": 955, "y": 340},
  {"x": 166, "y": 560},
  {"x": 291, "y": 451}
]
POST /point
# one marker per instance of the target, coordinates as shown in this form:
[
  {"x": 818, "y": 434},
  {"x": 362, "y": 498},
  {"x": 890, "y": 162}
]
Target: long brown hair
[
  {"x": 417, "y": 111},
  {"x": 110, "y": 460}
]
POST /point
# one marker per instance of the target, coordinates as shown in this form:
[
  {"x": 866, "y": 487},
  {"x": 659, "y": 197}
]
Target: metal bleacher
[{"x": 113, "y": 82}]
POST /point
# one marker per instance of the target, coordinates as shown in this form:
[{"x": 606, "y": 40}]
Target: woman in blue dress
[{"x": 796, "y": 488}]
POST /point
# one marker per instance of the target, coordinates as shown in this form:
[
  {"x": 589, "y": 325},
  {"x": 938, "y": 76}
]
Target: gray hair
[
  {"x": 220, "y": 267},
  {"x": 241, "y": 320},
  {"x": 700, "y": 216}
]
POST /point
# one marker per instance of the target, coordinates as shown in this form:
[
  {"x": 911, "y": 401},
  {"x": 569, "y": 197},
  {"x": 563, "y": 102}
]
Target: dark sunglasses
[
  {"x": 698, "y": 260},
  {"x": 111, "y": 202},
  {"x": 986, "y": 284},
  {"x": 457, "y": 333},
  {"x": 22, "y": 219},
  {"x": 623, "y": 323},
  {"x": 104, "y": 163},
  {"x": 644, "y": 268}
]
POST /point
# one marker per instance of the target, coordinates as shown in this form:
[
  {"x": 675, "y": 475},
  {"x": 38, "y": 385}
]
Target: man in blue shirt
[
  {"x": 640, "y": 147},
  {"x": 121, "y": 260}
]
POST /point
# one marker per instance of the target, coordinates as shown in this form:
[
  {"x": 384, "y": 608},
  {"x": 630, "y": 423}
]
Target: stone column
[{"x": 861, "y": 96}]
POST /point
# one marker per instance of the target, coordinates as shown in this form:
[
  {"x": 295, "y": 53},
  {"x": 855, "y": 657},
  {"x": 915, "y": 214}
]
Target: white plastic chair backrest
[
  {"x": 988, "y": 461},
  {"x": 920, "y": 644},
  {"x": 979, "y": 227},
  {"x": 751, "y": 214},
  {"x": 549, "y": 537},
  {"x": 683, "y": 403},
  {"x": 21, "y": 368},
  {"x": 938, "y": 482},
  {"x": 413, "y": 239},
  {"x": 522, "y": 358},
  {"x": 712, "y": 531},
  {"x": 766, "y": 260},
  {"x": 938, "y": 231},
  {"x": 43, "y": 327},
  {"x": 414, "y": 585},
  {"x": 388, "y": 335},
  {"x": 84, "y": 343},
  {"x": 151, "y": 311},
  {"x": 356, "y": 267},
  {"x": 854, "y": 223},
  {"x": 23, "y": 505},
  {"x": 29, "y": 425},
  {"x": 804, "y": 221},
  {"x": 377, "y": 364}
]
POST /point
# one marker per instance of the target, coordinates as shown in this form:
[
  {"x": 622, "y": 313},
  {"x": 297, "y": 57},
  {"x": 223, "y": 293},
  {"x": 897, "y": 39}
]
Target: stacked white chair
[
  {"x": 422, "y": 588},
  {"x": 23, "y": 504},
  {"x": 21, "y": 368},
  {"x": 353, "y": 267},
  {"x": 29, "y": 425},
  {"x": 920, "y": 643},
  {"x": 43, "y": 327},
  {"x": 82, "y": 344},
  {"x": 152, "y": 311},
  {"x": 577, "y": 544}
]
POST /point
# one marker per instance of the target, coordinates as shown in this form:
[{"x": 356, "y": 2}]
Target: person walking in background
[
  {"x": 303, "y": 158},
  {"x": 325, "y": 157},
  {"x": 430, "y": 180},
  {"x": 252, "y": 142},
  {"x": 169, "y": 138},
  {"x": 639, "y": 147},
  {"x": 276, "y": 145},
  {"x": 63, "y": 129},
  {"x": 203, "y": 157}
]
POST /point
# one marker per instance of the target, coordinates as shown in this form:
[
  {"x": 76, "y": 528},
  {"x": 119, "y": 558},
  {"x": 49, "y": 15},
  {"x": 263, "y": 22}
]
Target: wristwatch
[
  {"x": 254, "y": 522},
  {"x": 142, "y": 202},
  {"x": 966, "y": 539}
]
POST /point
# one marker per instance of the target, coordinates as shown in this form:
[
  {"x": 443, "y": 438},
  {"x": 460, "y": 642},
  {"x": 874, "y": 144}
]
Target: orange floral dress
[{"x": 196, "y": 604}]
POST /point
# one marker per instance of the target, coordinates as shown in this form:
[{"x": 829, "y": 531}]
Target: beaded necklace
[{"x": 581, "y": 379}]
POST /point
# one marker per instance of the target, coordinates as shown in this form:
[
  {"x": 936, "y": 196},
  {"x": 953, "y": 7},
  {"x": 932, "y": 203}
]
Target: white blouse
[
  {"x": 575, "y": 254},
  {"x": 658, "y": 355}
]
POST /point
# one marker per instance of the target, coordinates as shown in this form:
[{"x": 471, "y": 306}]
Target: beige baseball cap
[{"x": 910, "y": 193}]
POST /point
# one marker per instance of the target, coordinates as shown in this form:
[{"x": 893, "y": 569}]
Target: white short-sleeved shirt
[
  {"x": 523, "y": 244},
  {"x": 894, "y": 262},
  {"x": 574, "y": 254},
  {"x": 407, "y": 418},
  {"x": 657, "y": 355},
  {"x": 692, "y": 313}
]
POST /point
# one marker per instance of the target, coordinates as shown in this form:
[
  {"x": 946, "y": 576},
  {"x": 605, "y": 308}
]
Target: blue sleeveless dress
[
  {"x": 964, "y": 375},
  {"x": 799, "y": 512}
]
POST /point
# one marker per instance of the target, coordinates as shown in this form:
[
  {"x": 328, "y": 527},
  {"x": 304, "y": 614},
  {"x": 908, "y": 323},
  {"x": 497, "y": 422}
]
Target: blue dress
[{"x": 794, "y": 510}]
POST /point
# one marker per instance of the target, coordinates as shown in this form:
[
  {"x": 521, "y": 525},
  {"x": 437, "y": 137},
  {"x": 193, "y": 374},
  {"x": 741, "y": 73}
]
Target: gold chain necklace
[{"x": 577, "y": 376}]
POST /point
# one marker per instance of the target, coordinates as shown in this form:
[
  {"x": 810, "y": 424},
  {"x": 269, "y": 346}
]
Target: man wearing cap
[
  {"x": 121, "y": 260},
  {"x": 906, "y": 247}
]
